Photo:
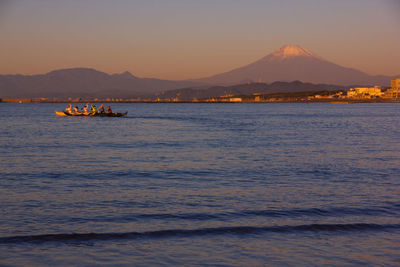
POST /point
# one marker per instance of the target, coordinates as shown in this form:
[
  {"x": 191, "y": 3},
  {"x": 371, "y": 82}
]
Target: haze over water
[{"x": 201, "y": 184}]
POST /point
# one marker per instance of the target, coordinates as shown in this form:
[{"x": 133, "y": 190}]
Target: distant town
[{"x": 352, "y": 95}]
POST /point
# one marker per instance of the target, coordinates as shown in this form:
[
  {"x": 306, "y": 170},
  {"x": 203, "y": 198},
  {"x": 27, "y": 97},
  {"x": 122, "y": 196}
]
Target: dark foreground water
[{"x": 201, "y": 184}]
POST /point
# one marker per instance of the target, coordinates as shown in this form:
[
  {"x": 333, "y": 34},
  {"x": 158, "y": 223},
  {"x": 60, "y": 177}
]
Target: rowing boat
[{"x": 90, "y": 114}]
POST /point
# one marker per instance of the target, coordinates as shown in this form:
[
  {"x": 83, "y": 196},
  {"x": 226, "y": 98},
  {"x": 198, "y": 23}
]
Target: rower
[
  {"x": 101, "y": 109},
  {"x": 68, "y": 108},
  {"x": 94, "y": 109}
]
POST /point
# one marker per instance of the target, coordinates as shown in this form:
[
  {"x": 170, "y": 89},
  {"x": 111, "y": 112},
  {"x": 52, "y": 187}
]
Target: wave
[
  {"x": 236, "y": 230},
  {"x": 270, "y": 213}
]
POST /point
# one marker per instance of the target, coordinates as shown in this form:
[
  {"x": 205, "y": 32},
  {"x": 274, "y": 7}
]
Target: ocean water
[{"x": 201, "y": 185}]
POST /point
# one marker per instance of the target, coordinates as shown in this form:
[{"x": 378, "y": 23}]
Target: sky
[{"x": 183, "y": 39}]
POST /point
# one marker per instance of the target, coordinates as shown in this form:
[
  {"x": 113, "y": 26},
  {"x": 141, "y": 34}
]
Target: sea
[{"x": 198, "y": 184}]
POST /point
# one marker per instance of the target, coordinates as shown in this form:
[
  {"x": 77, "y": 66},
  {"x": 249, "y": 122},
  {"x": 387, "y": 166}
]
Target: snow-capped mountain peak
[{"x": 288, "y": 51}]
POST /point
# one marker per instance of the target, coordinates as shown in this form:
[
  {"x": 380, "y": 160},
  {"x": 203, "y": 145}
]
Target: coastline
[{"x": 333, "y": 101}]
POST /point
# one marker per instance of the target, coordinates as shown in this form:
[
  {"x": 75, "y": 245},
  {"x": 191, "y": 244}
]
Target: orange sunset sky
[{"x": 180, "y": 39}]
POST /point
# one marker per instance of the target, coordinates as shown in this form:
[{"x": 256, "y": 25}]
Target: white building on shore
[
  {"x": 365, "y": 92},
  {"x": 394, "y": 91},
  {"x": 395, "y": 83}
]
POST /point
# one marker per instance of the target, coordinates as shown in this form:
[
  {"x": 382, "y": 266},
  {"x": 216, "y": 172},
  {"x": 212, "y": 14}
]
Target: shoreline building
[
  {"x": 365, "y": 92},
  {"x": 395, "y": 83},
  {"x": 394, "y": 91}
]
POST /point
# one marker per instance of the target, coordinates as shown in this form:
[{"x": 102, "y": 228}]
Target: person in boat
[
  {"x": 76, "y": 109},
  {"x": 86, "y": 108},
  {"x": 108, "y": 110},
  {"x": 101, "y": 109},
  {"x": 68, "y": 108},
  {"x": 94, "y": 109}
]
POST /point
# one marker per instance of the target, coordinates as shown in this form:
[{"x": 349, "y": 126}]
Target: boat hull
[{"x": 112, "y": 114}]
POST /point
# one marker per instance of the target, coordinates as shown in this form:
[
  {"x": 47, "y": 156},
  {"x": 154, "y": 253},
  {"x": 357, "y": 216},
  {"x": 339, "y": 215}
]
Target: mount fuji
[{"x": 295, "y": 63}]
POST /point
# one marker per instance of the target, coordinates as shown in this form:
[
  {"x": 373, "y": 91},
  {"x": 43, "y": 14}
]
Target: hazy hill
[
  {"x": 83, "y": 82},
  {"x": 245, "y": 89},
  {"x": 291, "y": 63}
]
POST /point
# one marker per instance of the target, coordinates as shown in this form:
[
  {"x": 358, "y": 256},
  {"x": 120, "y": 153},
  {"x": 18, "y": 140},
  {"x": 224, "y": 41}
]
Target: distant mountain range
[
  {"x": 288, "y": 63},
  {"x": 291, "y": 63},
  {"x": 85, "y": 83}
]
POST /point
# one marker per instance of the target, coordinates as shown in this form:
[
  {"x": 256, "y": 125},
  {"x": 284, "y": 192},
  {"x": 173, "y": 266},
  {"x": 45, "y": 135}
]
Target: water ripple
[{"x": 238, "y": 230}]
